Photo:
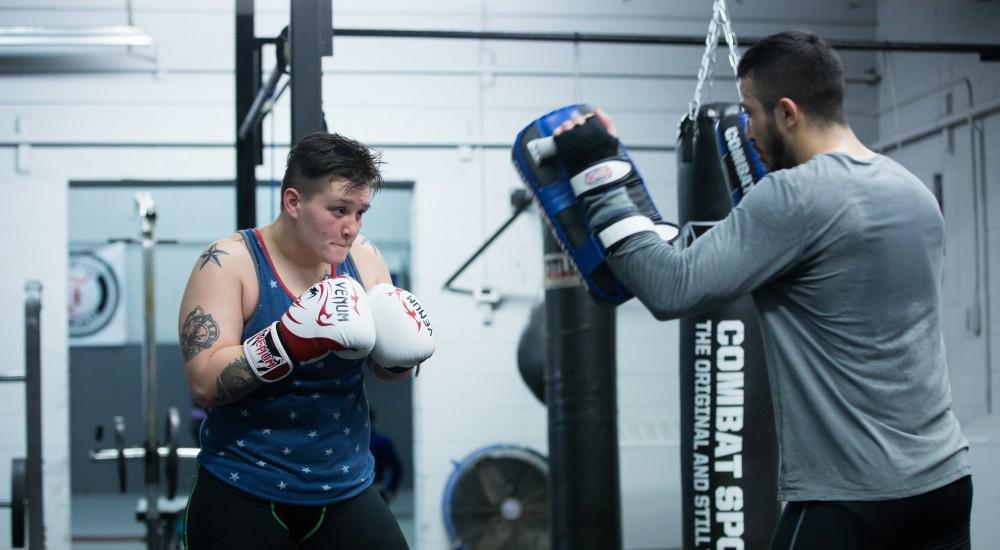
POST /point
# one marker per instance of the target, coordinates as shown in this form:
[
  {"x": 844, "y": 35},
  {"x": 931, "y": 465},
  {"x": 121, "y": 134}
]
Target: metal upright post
[
  {"x": 33, "y": 403},
  {"x": 147, "y": 214},
  {"x": 247, "y": 84},
  {"x": 311, "y": 39}
]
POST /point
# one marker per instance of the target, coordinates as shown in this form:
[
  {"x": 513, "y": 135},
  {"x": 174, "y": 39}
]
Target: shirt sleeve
[{"x": 760, "y": 239}]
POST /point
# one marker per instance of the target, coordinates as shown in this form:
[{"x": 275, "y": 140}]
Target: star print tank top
[{"x": 302, "y": 440}]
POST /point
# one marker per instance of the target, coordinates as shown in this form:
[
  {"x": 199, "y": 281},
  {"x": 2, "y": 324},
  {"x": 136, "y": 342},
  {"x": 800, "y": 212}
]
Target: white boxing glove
[
  {"x": 332, "y": 316},
  {"x": 405, "y": 336}
]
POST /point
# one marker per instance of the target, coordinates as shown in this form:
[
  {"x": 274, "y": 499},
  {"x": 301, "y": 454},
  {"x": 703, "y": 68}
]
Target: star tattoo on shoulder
[{"x": 212, "y": 255}]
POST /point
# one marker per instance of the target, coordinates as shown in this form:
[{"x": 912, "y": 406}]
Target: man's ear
[
  {"x": 291, "y": 201},
  {"x": 787, "y": 114}
]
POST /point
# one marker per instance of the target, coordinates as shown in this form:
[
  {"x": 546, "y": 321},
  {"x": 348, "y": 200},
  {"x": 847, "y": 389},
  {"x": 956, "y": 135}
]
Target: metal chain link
[
  {"x": 734, "y": 48},
  {"x": 711, "y": 39},
  {"x": 710, "y": 74},
  {"x": 706, "y": 71}
]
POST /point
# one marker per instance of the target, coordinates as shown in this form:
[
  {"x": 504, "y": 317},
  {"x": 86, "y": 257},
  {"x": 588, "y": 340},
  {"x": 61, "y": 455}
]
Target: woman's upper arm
[
  {"x": 370, "y": 263},
  {"x": 211, "y": 313}
]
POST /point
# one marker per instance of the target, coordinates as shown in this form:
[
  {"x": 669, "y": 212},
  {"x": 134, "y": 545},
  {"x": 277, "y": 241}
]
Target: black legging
[
  {"x": 936, "y": 520},
  {"x": 220, "y": 516}
]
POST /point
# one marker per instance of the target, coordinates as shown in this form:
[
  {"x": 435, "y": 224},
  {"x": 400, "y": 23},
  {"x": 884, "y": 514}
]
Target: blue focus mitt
[
  {"x": 741, "y": 165},
  {"x": 584, "y": 162}
]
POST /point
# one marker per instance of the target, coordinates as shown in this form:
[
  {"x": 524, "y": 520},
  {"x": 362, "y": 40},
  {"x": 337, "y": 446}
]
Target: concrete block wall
[
  {"x": 427, "y": 104},
  {"x": 444, "y": 113},
  {"x": 35, "y": 249},
  {"x": 917, "y": 91}
]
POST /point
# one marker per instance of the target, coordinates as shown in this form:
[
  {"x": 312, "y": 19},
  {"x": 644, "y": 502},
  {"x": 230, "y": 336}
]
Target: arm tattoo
[
  {"x": 212, "y": 255},
  {"x": 236, "y": 381},
  {"x": 199, "y": 333}
]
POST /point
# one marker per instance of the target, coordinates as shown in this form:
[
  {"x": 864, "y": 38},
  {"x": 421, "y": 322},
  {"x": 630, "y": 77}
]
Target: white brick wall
[
  {"x": 972, "y": 355},
  {"x": 34, "y": 248},
  {"x": 400, "y": 94}
]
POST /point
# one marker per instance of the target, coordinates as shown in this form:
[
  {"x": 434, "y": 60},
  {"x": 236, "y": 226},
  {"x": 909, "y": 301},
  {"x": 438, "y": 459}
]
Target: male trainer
[{"x": 842, "y": 251}]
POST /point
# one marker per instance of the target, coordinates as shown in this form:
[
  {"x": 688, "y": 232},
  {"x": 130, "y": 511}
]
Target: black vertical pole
[
  {"x": 581, "y": 393},
  {"x": 33, "y": 403},
  {"x": 247, "y": 84},
  {"x": 311, "y": 39}
]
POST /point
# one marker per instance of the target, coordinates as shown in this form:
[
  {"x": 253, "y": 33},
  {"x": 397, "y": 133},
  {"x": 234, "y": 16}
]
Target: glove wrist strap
[
  {"x": 267, "y": 356},
  {"x": 609, "y": 171},
  {"x": 623, "y": 228}
]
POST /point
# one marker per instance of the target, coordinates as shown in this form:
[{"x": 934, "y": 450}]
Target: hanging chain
[
  {"x": 711, "y": 39},
  {"x": 730, "y": 36},
  {"x": 706, "y": 71}
]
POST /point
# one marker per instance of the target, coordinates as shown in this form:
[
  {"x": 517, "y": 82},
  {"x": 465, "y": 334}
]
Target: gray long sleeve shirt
[{"x": 843, "y": 259}]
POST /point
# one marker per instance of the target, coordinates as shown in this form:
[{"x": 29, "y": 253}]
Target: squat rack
[
  {"x": 308, "y": 42},
  {"x": 26, "y": 489}
]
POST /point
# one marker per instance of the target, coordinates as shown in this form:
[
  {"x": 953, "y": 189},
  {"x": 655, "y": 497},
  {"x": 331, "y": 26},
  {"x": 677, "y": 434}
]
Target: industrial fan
[{"x": 497, "y": 499}]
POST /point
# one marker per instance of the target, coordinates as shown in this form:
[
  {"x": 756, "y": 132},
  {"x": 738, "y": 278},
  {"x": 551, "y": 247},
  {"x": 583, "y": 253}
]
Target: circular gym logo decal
[{"x": 93, "y": 294}]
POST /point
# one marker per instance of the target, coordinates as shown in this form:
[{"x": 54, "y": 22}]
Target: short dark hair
[
  {"x": 800, "y": 66},
  {"x": 321, "y": 156}
]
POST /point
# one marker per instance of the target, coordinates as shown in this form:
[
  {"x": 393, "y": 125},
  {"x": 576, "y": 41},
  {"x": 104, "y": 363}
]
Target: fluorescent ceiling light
[{"x": 120, "y": 35}]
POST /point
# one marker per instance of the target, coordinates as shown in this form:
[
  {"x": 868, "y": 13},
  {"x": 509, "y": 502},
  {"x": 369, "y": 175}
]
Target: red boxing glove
[{"x": 332, "y": 316}]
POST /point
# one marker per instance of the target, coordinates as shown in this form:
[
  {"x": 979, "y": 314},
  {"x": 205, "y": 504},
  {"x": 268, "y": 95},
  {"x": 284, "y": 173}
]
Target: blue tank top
[{"x": 304, "y": 439}]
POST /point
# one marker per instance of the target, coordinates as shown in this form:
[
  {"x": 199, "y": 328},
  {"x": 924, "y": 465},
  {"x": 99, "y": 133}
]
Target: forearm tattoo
[
  {"x": 212, "y": 255},
  {"x": 199, "y": 333},
  {"x": 236, "y": 381}
]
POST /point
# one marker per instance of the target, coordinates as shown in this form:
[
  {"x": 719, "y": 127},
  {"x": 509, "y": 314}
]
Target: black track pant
[
  {"x": 221, "y": 517},
  {"x": 936, "y": 520}
]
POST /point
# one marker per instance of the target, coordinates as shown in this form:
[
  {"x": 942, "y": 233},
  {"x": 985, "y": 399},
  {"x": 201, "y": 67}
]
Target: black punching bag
[
  {"x": 582, "y": 398},
  {"x": 531, "y": 350},
  {"x": 729, "y": 458}
]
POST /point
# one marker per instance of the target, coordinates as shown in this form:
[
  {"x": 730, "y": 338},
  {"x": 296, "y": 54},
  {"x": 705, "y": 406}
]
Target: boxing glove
[
  {"x": 592, "y": 156},
  {"x": 332, "y": 316},
  {"x": 405, "y": 333}
]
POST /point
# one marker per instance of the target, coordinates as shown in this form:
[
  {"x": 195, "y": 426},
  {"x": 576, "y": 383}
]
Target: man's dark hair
[
  {"x": 800, "y": 66},
  {"x": 320, "y": 156}
]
